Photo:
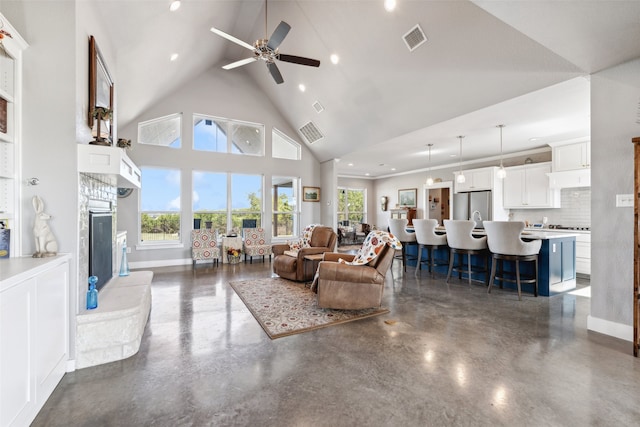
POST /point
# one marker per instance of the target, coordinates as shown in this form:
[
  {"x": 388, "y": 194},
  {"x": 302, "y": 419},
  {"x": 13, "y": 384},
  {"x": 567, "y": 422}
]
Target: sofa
[{"x": 291, "y": 265}]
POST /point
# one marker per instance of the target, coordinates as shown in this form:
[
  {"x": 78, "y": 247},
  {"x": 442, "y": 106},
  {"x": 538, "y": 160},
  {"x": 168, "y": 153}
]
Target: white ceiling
[{"x": 524, "y": 64}]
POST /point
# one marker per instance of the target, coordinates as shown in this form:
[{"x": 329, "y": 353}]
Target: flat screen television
[{"x": 101, "y": 247}]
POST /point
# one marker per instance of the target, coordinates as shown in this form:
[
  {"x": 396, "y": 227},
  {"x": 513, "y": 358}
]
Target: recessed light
[
  {"x": 453, "y": 155},
  {"x": 393, "y": 169},
  {"x": 174, "y": 56},
  {"x": 335, "y": 59},
  {"x": 367, "y": 174},
  {"x": 350, "y": 164},
  {"x": 389, "y": 5},
  {"x": 337, "y": 160},
  {"x": 175, "y": 5},
  {"x": 302, "y": 87},
  {"x": 534, "y": 139}
]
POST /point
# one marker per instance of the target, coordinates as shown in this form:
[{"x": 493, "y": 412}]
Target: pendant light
[
  {"x": 460, "y": 179},
  {"x": 429, "y": 178},
  {"x": 502, "y": 173}
]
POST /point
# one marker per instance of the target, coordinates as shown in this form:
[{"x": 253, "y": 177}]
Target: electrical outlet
[
  {"x": 128, "y": 250},
  {"x": 624, "y": 200}
]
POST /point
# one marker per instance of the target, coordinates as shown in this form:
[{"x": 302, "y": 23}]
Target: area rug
[{"x": 283, "y": 307}]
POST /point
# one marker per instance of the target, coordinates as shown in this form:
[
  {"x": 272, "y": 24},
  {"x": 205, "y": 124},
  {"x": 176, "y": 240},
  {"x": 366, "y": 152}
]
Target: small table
[{"x": 313, "y": 261}]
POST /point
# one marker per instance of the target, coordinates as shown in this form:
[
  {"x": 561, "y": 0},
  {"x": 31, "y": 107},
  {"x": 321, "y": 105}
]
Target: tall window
[
  {"x": 210, "y": 200},
  {"x": 227, "y": 136},
  {"x": 246, "y": 197},
  {"x": 221, "y": 201},
  {"x": 352, "y": 205},
  {"x": 284, "y": 147},
  {"x": 160, "y": 205},
  {"x": 164, "y": 131},
  {"x": 284, "y": 221}
]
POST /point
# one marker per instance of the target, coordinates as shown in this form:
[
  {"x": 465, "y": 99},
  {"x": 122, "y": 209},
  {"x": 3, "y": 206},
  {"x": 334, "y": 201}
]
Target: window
[
  {"x": 160, "y": 205},
  {"x": 221, "y": 201},
  {"x": 352, "y": 205},
  {"x": 210, "y": 200},
  {"x": 284, "y": 147},
  {"x": 246, "y": 197},
  {"x": 284, "y": 222},
  {"x": 164, "y": 131},
  {"x": 227, "y": 136}
]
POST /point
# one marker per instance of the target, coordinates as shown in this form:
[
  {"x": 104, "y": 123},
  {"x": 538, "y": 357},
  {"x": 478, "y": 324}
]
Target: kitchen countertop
[{"x": 530, "y": 233}]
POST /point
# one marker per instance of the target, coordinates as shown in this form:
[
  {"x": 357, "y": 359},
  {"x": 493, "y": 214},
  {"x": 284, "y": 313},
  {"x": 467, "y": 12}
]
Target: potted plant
[{"x": 100, "y": 115}]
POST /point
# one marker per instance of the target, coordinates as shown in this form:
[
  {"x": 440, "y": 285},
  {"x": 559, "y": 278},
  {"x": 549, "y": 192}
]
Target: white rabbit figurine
[{"x": 46, "y": 244}]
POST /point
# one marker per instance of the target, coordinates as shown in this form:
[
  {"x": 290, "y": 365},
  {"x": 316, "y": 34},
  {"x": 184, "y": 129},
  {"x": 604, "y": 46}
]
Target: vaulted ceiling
[{"x": 525, "y": 64}]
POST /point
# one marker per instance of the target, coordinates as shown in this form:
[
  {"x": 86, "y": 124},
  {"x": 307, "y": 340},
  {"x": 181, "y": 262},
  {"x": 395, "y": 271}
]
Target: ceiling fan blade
[
  {"x": 278, "y": 35},
  {"x": 239, "y": 63},
  {"x": 275, "y": 73},
  {"x": 299, "y": 60},
  {"x": 231, "y": 38}
]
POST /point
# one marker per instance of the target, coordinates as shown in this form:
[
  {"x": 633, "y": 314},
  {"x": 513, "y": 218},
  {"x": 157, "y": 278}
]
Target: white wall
[
  {"x": 614, "y": 113},
  {"x": 329, "y": 194},
  {"x": 218, "y": 93}
]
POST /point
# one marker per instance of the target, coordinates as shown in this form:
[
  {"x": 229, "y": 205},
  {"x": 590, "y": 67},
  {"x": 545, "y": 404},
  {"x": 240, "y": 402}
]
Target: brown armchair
[
  {"x": 352, "y": 287},
  {"x": 323, "y": 239}
]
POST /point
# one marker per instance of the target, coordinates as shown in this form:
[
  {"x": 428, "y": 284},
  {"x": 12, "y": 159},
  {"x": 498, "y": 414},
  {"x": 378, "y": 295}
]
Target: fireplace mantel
[{"x": 111, "y": 161}]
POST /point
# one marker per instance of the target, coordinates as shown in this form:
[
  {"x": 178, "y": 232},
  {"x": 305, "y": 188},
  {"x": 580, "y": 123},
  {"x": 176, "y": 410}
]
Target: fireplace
[{"x": 101, "y": 246}]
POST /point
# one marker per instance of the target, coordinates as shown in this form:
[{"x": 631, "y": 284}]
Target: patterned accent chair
[
  {"x": 255, "y": 244},
  {"x": 204, "y": 245}
]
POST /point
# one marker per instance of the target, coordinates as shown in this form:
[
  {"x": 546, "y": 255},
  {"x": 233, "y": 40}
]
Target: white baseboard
[
  {"x": 71, "y": 365},
  {"x": 607, "y": 327},
  {"x": 160, "y": 263}
]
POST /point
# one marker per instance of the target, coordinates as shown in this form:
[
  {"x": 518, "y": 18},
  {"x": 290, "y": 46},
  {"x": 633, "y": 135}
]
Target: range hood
[
  {"x": 570, "y": 179},
  {"x": 109, "y": 161}
]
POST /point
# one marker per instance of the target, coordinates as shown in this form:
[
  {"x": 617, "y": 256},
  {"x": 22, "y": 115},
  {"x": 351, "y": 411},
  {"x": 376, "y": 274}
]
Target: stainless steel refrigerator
[{"x": 464, "y": 204}]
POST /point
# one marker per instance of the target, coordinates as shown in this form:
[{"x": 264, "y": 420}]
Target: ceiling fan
[{"x": 267, "y": 50}]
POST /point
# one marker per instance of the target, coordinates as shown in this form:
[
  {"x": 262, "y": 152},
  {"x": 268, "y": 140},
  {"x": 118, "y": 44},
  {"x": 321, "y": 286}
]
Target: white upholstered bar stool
[
  {"x": 398, "y": 227},
  {"x": 506, "y": 244},
  {"x": 462, "y": 242},
  {"x": 428, "y": 239}
]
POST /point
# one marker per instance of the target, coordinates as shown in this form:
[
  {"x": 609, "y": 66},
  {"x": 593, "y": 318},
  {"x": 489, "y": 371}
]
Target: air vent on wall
[
  {"x": 311, "y": 132},
  {"x": 414, "y": 38},
  {"x": 318, "y": 107}
]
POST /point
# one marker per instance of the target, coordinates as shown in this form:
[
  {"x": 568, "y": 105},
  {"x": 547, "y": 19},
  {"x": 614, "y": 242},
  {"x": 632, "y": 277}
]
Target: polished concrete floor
[{"x": 455, "y": 356}]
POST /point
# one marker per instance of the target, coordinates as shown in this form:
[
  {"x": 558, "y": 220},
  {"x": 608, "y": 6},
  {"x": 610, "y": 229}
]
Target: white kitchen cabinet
[
  {"x": 583, "y": 253},
  {"x": 528, "y": 187},
  {"x": 475, "y": 180},
  {"x": 571, "y": 156},
  {"x": 10, "y": 131},
  {"x": 34, "y": 334}
]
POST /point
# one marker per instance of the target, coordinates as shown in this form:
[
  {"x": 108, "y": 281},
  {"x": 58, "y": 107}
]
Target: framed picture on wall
[
  {"x": 100, "y": 83},
  {"x": 408, "y": 197},
  {"x": 310, "y": 194}
]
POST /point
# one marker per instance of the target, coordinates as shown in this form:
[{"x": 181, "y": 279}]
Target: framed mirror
[{"x": 100, "y": 84}]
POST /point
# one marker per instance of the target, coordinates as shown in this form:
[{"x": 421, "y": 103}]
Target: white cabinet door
[
  {"x": 571, "y": 157},
  {"x": 528, "y": 187},
  {"x": 475, "y": 180},
  {"x": 17, "y": 382}
]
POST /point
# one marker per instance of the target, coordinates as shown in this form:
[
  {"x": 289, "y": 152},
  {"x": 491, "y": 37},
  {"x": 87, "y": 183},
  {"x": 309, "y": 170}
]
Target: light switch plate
[{"x": 624, "y": 200}]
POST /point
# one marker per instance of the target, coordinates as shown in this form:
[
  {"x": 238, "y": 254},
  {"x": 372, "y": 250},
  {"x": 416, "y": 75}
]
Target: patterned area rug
[{"x": 283, "y": 307}]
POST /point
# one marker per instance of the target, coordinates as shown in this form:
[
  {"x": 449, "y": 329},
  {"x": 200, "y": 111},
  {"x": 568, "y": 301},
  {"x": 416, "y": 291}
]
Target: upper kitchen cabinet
[
  {"x": 528, "y": 187},
  {"x": 571, "y": 156},
  {"x": 475, "y": 180}
]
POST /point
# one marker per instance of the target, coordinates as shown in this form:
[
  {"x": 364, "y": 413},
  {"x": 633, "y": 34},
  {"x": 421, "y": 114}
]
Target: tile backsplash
[{"x": 575, "y": 210}]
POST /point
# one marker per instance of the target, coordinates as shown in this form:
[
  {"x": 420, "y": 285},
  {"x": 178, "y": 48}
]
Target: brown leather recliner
[
  {"x": 323, "y": 239},
  {"x": 352, "y": 287}
]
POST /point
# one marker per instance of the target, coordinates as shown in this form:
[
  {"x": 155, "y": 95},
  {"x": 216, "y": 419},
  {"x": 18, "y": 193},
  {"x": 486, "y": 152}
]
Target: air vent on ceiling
[
  {"x": 414, "y": 38},
  {"x": 311, "y": 132},
  {"x": 318, "y": 107}
]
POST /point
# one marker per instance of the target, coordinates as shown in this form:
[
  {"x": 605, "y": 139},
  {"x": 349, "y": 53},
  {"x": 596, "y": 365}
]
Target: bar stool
[
  {"x": 428, "y": 239},
  {"x": 505, "y": 243},
  {"x": 462, "y": 242},
  {"x": 398, "y": 227}
]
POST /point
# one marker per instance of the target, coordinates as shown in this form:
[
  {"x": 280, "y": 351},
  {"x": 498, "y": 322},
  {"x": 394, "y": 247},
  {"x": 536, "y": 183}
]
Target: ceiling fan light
[
  {"x": 175, "y": 5},
  {"x": 335, "y": 59},
  {"x": 302, "y": 87}
]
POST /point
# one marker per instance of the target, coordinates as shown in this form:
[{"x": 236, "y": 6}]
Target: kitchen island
[{"x": 556, "y": 262}]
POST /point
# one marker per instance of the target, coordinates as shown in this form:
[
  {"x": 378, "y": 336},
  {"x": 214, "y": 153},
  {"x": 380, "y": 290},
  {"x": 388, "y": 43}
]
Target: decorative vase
[
  {"x": 233, "y": 259},
  {"x": 124, "y": 266}
]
